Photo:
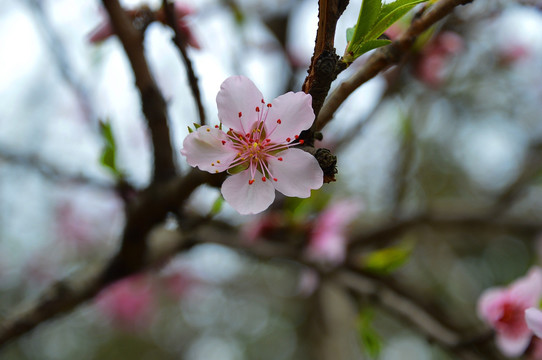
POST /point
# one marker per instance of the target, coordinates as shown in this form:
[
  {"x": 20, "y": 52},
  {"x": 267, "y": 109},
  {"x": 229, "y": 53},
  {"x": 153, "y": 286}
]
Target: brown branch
[
  {"x": 386, "y": 233},
  {"x": 181, "y": 42},
  {"x": 322, "y": 70},
  {"x": 153, "y": 104},
  {"x": 384, "y": 58},
  {"x": 144, "y": 213},
  {"x": 411, "y": 311}
]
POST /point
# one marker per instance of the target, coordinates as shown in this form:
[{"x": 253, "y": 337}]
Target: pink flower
[
  {"x": 257, "y": 148},
  {"x": 328, "y": 239},
  {"x": 504, "y": 308},
  {"x": 533, "y": 317},
  {"x": 433, "y": 58},
  {"x": 128, "y": 304}
]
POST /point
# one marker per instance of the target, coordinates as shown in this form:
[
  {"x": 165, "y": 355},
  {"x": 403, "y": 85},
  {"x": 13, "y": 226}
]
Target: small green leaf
[
  {"x": 196, "y": 125},
  {"x": 370, "y": 340},
  {"x": 390, "y": 14},
  {"x": 108, "y": 156},
  {"x": 387, "y": 260},
  {"x": 190, "y": 130},
  {"x": 368, "y": 14},
  {"x": 217, "y": 205},
  {"x": 366, "y": 46},
  {"x": 350, "y": 34}
]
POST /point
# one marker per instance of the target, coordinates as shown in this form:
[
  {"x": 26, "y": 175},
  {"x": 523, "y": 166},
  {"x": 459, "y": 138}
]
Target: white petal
[
  {"x": 296, "y": 174},
  {"x": 248, "y": 198},
  {"x": 239, "y": 96},
  {"x": 533, "y": 317},
  {"x": 294, "y": 110},
  {"x": 209, "y": 149}
]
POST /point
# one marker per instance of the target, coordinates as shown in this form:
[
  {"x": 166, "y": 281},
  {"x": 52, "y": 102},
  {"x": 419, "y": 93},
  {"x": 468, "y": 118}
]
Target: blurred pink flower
[
  {"x": 128, "y": 304},
  {"x": 263, "y": 226},
  {"x": 105, "y": 29},
  {"x": 504, "y": 309},
  {"x": 257, "y": 146},
  {"x": 327, "y": 242},
  {"x": 434, "y": 56}
]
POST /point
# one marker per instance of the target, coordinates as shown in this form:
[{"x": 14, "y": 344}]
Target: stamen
[
  {"x": 268, "y": 140},
  {"x": 257, "y": 109},
  {"x": 218, "y": 161},
  {"x": 240, "y": 114},
  {"x": 296, "y": 137},
  {"x": 263, "y": 179},
  {"x": 301, "y": 142},
  {"x": 288, "y": 139},
  {"x": 275, "y": 179},
  {"x": 263, "y": 102},
  {"x": 268, "y": 105},
  {"x": 216, "y": 171},
  {"x": 216, "y": 126},
  {"x": 223, "y": 142},
  {"x": 212, "y": 164},
  {"x": 250, "y": 182},
  {"x": 279, "y": 121},
  {"x": 279, "y": 159},
  {"x": 208, "y": 130}
]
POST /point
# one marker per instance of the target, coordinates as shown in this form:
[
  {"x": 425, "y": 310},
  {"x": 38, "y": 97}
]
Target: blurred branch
[
  {"x": 153, "y": 103},
  {"x": 403, "y": 163},
  {"x": 531, "y": 167},
  {"x": 408, "y": 309},
  {"x": 386, "y": 233},
  {"x": 49, "y": 170},
  {"x": 181, "y": 42},
  {"x": 385, "y": 57},
  {"x": 56, "y": 46}
]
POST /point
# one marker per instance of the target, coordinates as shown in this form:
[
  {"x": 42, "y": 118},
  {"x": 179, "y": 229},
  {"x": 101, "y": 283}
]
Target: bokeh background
[{"x": 455, "y": 129}]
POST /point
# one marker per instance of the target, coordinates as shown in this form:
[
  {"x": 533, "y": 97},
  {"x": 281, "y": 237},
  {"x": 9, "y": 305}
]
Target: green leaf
[
  {"x": 190, "y": 130},
  {"x": 350, "y": 34},
  {"x": 196, "y": 125},
  {"x": 386, "y": 260},
  {"x": 108, "y": 156},
  {"x": 217, "y": 205},
  {"x": 368, "y": 14},
  {"x": 371, "y": 341},
  {"x": 390, "y": 14},
  {"x": 366, "y": 46}
]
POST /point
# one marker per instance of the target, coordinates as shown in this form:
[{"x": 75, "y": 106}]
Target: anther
[
  {"x": 268, "y": 140},
  {"x": 268, "y": 105},
  {"x": 216, "y": 171},
  {"x": 279, "y": 159},
  {"x": 263, "y": 179},
  {"x": 223, "y": 142},
  {"x": 218, "y": 161},
  {"x": 257, "y": 109},
  {"x": 296, "y": 137},
  {"x": 240, "y": 114},
  {"x": 216, "y": 126},
  {"x": 275, "y": 179},
  {"x": 250, "y": 182},
  {"x": 301, "y": 142},
  {"x": 208, "y": 130},
  {"x": 279, "y": 122},
  {"x": 212, "y": 164},
  {"x": 288, "y": 139},
  {"x": 263, "y": 102}
]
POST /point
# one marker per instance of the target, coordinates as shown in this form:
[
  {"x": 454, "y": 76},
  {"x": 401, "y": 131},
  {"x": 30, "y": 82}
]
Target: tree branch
[
  {"x": 180, "y": 41},
  {"x": 153, "y": 104},
  {"x": 385, "y": 57}
]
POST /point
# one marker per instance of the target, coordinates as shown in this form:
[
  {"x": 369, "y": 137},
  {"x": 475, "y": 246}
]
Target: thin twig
[
  {"x": 153, "y": 103},
  {"x": 385, "y": 57},
  {"x": 181, "y": 42}
]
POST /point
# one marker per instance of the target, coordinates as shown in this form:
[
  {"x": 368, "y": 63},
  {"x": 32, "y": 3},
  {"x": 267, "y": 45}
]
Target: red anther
[
  {"x": 263, "y": 102},
  {"x": 216, "y": 126},
  {"x": 250, "y": 182},
  {"x": 263, "y": 179},
  {"x": 240, "y": 114},
  {"x": 296, "y": 137},
  {"x": 223, "y": 142},
  {"x": 275, "y": 179},
  {"x": 268, "y": 105},
  {"x": 257, "y": 109},
  {"x": 279, "y": 122},
  {"x": 247, "y": 135},
  {"x": 268, "y": 140},
  {"x": 301, "y": 142},
  {"x": 288, "y": 139},
  {"x": 279, "y": 159}
]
